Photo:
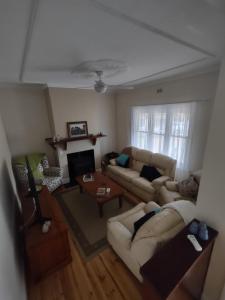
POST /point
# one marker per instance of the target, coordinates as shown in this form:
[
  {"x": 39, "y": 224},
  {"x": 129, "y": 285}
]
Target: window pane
[
  {"x": 142, "y": 122},
  {"x": 164, "y": 129},
  {"x": 159, "y": 122},
  {"x": 142, "y": 140},
  {"x": 177, "y": 149},
  {"x": 180, "y": 124},
  {"x": 157, "y": 143}
]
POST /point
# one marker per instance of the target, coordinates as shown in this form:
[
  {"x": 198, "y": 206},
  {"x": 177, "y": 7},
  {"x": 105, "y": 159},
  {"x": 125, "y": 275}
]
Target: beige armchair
[
  {"x": 170, "y": 191},
  {"x": 151, "y": 236}
]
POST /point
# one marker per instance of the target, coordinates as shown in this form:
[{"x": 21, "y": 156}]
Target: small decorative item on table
[
  {"x": 101, "y": 191},
  {"x": 77, "y": 129},
  {"x": 88, "y": 177}
]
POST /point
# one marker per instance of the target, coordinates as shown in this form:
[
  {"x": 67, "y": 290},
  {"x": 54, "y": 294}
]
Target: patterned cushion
[
  {"x": 54, "y": 172},
  {"x": 21, "y": 175},
  {"x": 44, "y": 162},
  {"x": 188, "y": 187},
  {"x": 52, "y": 183},
  {"x": 52, "y": 176}
]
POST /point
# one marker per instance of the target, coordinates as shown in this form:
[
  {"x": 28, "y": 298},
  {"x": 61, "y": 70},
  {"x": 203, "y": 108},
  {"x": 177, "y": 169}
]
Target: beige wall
[
  {"x": 211, "y": 200},
  {"x": 196, "y": 88},
  {"x": 12, "y": 285},
  {"x": 25, "y": 117},
  {"x": 67, "y": 105}
]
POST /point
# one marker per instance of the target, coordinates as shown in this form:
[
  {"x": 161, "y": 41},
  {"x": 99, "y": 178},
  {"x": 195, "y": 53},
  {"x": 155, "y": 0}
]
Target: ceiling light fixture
[{"x": 100, "y": 87}]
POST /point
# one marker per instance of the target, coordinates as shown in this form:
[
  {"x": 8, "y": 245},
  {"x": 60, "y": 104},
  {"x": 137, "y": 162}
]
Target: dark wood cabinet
[
  {"x": 177, "y": 271},
  {"x": 45, "y": 252}
]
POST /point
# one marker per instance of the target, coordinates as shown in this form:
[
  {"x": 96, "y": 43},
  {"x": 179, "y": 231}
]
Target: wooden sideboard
[
  {"x": 45, "y": 252},
  {"x": 177, "y": 271}
]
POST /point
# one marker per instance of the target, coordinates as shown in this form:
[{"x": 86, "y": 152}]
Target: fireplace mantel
[{"x": 63, "y": 142}]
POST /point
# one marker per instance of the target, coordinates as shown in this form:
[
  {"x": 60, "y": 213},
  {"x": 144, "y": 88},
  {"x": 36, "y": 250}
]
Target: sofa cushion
[
  {"x": 159, "y": 224},
  {"x": 140, "y": 222},
  {"x": 140, "y": 158},
  {"x": 171, "y": 186},
  {"x": 144, "y": 156},
  {"x": 150, "y": 173},
  {"x": 167, "y": 196},
  {"x": 129, "y": 220},
  {"x": 144, "y": 184},
  {"x": 124, "y": 173},
  {"x": 166, "y": 163},
  {"x": 122, "y": 160},
  {"x": 137, "y": 165}
]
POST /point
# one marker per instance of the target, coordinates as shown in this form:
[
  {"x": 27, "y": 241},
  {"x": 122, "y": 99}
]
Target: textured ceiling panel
[
  {"x": 66, "y": 35},
  {"x": 153, "y": 38},
  {"x": 14, "y": 17}
]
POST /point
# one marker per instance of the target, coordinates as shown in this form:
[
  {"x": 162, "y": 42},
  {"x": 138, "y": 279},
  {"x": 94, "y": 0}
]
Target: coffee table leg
[
  {"x": 100, "y": 209},
  {"x": 120, "y": 202}
]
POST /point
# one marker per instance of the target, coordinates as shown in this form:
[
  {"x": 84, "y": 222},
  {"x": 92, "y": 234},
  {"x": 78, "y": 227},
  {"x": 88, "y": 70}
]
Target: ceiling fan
[{"x": 101, "y": 87}]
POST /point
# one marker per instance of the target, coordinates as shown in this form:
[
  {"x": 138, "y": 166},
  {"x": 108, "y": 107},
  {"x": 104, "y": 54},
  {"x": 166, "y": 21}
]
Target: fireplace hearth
[{"x": 80, "y": 163}]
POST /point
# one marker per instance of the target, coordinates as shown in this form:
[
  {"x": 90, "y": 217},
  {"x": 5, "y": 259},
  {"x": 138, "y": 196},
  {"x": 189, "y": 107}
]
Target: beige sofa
[
  {"x": 151, "y": 236},
  {"x": 130, "y": 178}
]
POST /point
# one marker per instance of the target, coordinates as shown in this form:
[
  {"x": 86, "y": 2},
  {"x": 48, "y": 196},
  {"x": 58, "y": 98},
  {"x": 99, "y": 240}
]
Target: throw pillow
[
  {"x": 188, "y": 187},
  {"x": 150, "y": 173},
  {"x": 112, "y": 162},
  {"x": 122, "y": 160}
]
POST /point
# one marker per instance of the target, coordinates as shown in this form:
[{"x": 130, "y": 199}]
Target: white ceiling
[{"x": 43, "y": 40}]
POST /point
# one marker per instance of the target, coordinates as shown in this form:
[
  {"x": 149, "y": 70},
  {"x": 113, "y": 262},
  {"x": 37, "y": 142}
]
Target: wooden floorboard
[{"x": 103, "y": 277}]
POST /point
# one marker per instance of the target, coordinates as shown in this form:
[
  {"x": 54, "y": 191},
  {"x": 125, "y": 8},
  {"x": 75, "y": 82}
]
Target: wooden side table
[
  {"x": 178, "y": 271},
  {"x": 105, "y": 160},
  {"x": 45, "y": 252}
]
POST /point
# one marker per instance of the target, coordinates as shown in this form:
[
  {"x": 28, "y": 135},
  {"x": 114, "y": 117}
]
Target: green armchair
[{"x": 42, "y": 172}]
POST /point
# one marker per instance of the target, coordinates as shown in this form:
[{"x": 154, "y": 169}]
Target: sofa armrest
[
  {"x": 171, "y": 186},
  {"x": 158, "y": 182},
  {"x": 143, "y": 249},
  {"x": 122, "y": 234},
  {"x": 53, "y": 172},
  {"x": 150, "y": 206},
  {"x": 112, "y": 162}
]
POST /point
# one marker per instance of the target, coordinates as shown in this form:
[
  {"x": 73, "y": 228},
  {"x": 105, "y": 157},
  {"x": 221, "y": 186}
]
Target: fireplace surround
[{"x": 80, "y": 163}]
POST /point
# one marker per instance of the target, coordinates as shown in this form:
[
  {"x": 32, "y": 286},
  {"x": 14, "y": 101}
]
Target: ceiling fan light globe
[{"x": 100, "y": 88}]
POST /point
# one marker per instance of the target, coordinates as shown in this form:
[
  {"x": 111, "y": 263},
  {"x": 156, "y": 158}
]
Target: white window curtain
[{"x": 165, "y": 129}]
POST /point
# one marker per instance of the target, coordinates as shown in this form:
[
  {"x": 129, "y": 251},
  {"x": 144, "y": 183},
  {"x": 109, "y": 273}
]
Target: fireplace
[{"x": 80, "y": 163}]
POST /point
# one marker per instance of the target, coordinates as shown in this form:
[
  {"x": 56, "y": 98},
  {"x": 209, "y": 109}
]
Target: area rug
[{"x": 82, "y": 215}]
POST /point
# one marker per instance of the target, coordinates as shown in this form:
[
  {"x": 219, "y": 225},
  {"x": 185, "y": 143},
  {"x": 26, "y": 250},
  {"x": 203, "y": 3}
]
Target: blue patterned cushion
[{"x": 122, "y": 160}]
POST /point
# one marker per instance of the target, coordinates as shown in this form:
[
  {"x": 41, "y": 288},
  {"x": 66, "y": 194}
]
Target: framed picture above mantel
[{"x": 77, "y": 129}]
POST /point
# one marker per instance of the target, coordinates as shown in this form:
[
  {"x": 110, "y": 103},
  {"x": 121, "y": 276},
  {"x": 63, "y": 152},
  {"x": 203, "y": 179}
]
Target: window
[{"x": 164, "y": 129}]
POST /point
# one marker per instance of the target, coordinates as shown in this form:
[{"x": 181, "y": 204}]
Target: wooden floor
[{"x": 103, "y": 277}]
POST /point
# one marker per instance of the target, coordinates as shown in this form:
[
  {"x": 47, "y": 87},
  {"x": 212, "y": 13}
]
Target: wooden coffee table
[{"x": 101, "y": 180}]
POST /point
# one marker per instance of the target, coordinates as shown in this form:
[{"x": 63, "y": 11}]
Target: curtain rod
[{"x": 164, "y": 103}]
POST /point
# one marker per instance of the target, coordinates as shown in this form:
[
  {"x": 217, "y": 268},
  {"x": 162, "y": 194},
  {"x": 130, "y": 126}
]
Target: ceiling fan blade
[
  {"x": 85, "y": 88},
  {"x": 120, "y": 87}
]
